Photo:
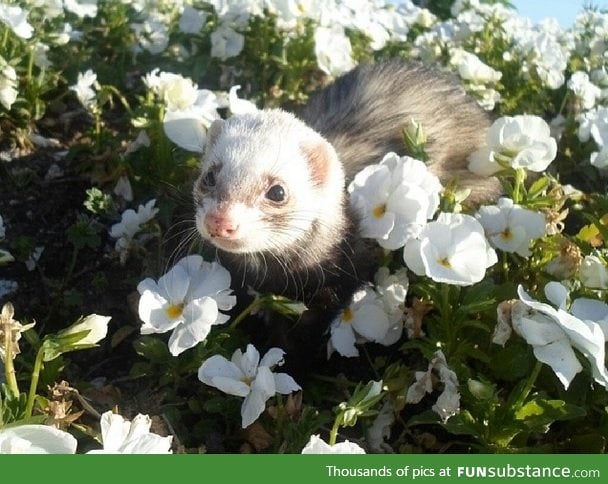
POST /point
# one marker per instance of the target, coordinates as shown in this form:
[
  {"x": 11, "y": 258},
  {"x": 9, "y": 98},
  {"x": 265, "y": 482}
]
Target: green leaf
[
  {"x": 152, "y": 349},
  {"x": 538, "y": 414}
]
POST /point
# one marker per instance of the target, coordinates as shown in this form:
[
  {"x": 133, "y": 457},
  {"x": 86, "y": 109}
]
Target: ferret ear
[
  {"x": 323, "y": 162},
  {"x": 213, "y": 132}
]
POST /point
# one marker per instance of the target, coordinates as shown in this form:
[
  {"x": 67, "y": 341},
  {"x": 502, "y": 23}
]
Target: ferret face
[{"x": 268, "y": 184}]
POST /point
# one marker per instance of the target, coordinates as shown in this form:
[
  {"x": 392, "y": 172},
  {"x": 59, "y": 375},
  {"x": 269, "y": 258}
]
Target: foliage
[{"x": 101, "y": 97}]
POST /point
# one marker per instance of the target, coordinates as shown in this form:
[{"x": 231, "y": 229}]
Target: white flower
[
  {"x": 522, "y": 141},
  {"x": 237, "y": 105},
  {"x": 120, "y": 436},
  {"x": 190, "y": 111},
  {"x": 584, "y": 89},
  {"x": 123, "y": 188},
  {"x": 83, "y": 88},
  {"x": 36, "y": 439},
  {"x": 192, "y": 20},
  {"x": 130, "y": 223},
  {"x": 316, "y": 445},
  {"x": 7, "y": 287},
  {"x": 364, "y": 318},
  {"x": 16, "y": 19},
  {"x": 453, "y": 250},
  {"x": 471, "y": 68},
  {"x": 448, "y": 402},
  {"x": 593, "y": 273},
  {"x": 380, "y": 429},
  {"x": 333, "y": 50},
  {"x": 510, "y": 227},
  {"x": 81, "y": 8},
  {"x": 555, "y": 333},
  {"x": 245, "y": 375},
  {"x": 34, "y": 257},
  {"x": 95, "y": 325},
  {"x": 8, "y": 84},
  {"x": 226, "y": 43},
  {"x": 152, "y": 34},
  {"x": 391, "y": 289},
  {"x": 394, "y": 198},
  {"x": 186, "y": 300}
]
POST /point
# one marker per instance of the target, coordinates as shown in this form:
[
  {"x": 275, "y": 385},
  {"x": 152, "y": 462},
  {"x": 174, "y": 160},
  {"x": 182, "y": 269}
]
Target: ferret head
[{"x": 269, "y": 184}]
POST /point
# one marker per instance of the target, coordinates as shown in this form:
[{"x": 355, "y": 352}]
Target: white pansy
[
  {"x": 226, "y": 43},
  {"x": 555, "y": 333},
  {"x": 510, "y": 227},
  {"x": 593, "y": 272},
  {"x": 36, "y": 439},
  {"x": 16, "y": 19},
  {"x": 364, "y": 319},
  {"x": 123, "y": 188},
  {"x": 130, "y": 224},
  {"x": 333, "y": 50},
  {"x": 81, "y": 8},
  {"x": 246, "y": 375},
  {"x": 522, "y": 141},
  {"x": 94, "y": 327},
  {"x": 238, "y": 105},
  {"x": 8, "y": 84},
  {"x": 119, "y": 436},
  {"x": 394, "y": 198},
  {"x": 187, "y": 300},
  {"x": 190, "y": 110},
  {"x": 84, "y": 88},
  {"x": 584, "y": 89},
  {"x": 391, "y": 289},
  {"x": 453, "y": 250},
  {"x": 7, "y": 287},
  {"x": 192, "y": 20},
  {"x": 316, "y": 445},
  {"x": 448, "y": 402},
  {"x": 471, "y": 68}
]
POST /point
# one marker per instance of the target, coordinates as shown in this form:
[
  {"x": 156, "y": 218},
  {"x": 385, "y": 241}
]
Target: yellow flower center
[
  {"x": 506, "y": 234},
  {"x": 379, "y": 211},
  {"x": 174, "y": 310},
  {"x": 445, "y": 262},
  {"x": 347, "y": 315}
]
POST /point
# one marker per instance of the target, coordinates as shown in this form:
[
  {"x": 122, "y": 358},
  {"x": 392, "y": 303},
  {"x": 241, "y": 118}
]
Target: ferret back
[{"x": 363, "y": 113}]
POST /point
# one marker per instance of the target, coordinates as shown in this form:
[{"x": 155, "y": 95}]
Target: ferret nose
[{"x": 219, "y": 225}]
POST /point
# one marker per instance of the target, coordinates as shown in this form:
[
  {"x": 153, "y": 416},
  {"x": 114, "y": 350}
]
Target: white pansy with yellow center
[
  {"x": 186, "y": 300},
  {"x": 394, "y": 198},
  {"x": 453, "y": 250},
  {"x": 363, "y": 320},
  {"x": 511, "y": 227}
]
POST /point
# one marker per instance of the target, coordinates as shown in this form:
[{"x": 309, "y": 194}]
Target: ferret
[{"x": 271, "y": 192}]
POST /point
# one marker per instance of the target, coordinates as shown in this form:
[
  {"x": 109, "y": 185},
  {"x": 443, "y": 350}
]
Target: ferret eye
[
  {"x": 276, "y": 194},
  {"x": 208, "y": 180}
]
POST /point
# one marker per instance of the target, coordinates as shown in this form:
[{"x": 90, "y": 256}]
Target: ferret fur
[{"x": 308, "y": 247}]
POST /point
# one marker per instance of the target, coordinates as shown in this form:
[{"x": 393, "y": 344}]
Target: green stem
[
  {"x": 34, "y": 382},
  {"x": 528, "y": 387},
  {"x": 520, "y": 177},
  {"x": 246, "y": 312},
  {"x": 333, "y": 433}
]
